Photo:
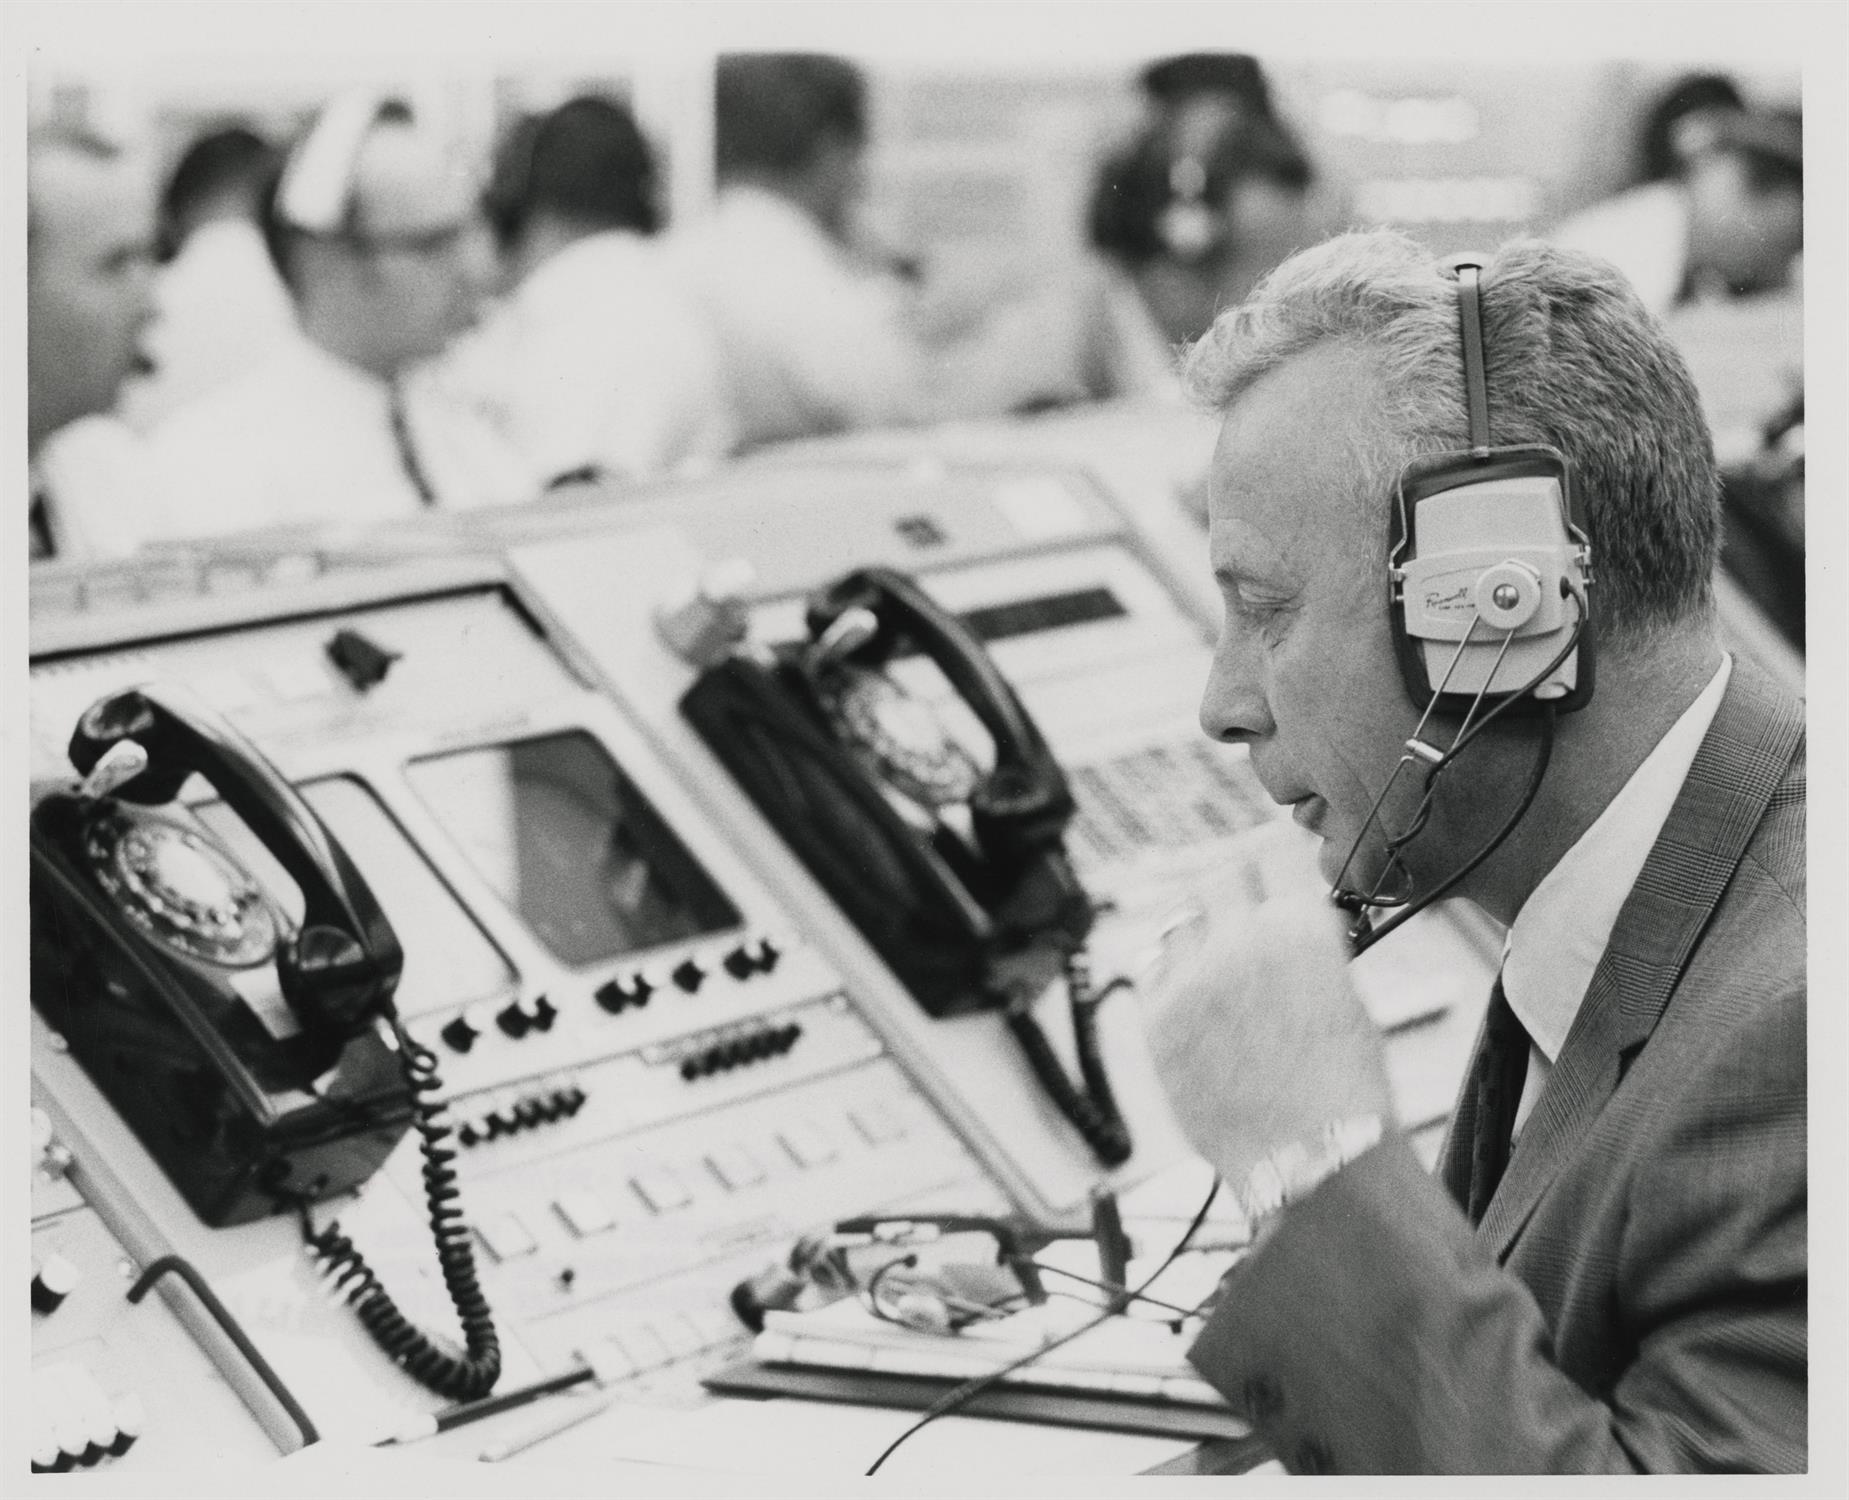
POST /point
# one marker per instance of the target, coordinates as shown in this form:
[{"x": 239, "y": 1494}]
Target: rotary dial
[{"x": 182, "y": 889}]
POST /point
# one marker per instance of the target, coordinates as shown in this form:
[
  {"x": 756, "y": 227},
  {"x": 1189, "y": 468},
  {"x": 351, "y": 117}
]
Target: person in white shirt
[
  {"x": 89, "y": 261},
  {"x": 220, "y": 307},
  {"x": 598, "y": 362},
  {"x": 815, "y": 338},
  {"x": 375, "y": 228}
]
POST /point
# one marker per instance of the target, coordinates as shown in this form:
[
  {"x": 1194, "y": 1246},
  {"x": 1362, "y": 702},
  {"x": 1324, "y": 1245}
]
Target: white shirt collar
[{"x": 1561, "y": 932}]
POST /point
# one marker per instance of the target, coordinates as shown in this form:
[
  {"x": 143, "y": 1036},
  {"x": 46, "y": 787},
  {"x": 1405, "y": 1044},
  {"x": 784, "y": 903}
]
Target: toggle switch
[
  {"x": 362, "y": 662},
  {"x": 522, "y": 1016},
  {"x": 704, "y": 624},
  {"x": 131, "y": 1421},
  {"x": 55, "y": 1279},
  {"x": 462, "y": 1031}
]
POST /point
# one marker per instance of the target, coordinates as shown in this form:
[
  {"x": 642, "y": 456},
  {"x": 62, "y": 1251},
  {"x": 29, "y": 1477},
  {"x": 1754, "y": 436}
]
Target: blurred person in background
[
  {"x": 814, "y": 335},
  {"x": 89, "y": 260},
  {"x": 1727, "y": 221},
  {"x": 375, "y": 227},
  {"x": 1190, "y": 214},
  {"x": 1715, "y": 249},
  {"x": 598, "y": 362},
  {"x": 221, "y": 309},
  {"x": 1692, "y": 96}
]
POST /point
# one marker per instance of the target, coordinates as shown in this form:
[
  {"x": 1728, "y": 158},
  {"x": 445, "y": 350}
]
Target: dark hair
[
  {"x": 773, "y": 111},
  {"x": 1137, "y": 185},
  {"x": 587, "y": 162},
  {"x": 232, "y": 162},
  {"x": 1238, "y": 75},
  {"x": 1690, "y": 94},
  {"x": 279, "y": 237}
]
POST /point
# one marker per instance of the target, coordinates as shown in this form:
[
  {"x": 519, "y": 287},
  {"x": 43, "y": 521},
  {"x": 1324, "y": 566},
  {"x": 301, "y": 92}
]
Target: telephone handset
[
  {"x": 955, "y": 872},
  {"x": 342, "y": 967},
  {"x": 157, "y": 956}
]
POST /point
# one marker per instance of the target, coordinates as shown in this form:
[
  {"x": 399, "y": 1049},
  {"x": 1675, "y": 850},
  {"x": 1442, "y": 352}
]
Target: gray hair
[{"x": 1573, "y": 360}]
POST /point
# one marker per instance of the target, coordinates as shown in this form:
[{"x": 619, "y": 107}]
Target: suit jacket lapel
[{"x": 1747, "y": 751}]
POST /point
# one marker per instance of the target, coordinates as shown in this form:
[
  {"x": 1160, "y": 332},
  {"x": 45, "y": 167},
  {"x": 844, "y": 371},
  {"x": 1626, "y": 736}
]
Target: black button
[
  {"x": 612, "y": 997},
  {"x": 690, "y": 1068},
  {"x": 544, "y": 1013},
  {"x": 1312, "y": 1458},
  {"x": 689, "y": 976},
  {"x": 740, "y": 964},
  {"x": 527, "y": 1114},
  {"x": 573, "y": 1099},
  {"x": 460, "y": 1033},
  {"x": 514, "y": 1020},
  {"x": 767, "y": 955},
  {"x": 639, "y": 990},
  {"x": 468, "y": 1134},
  {"x": 1263, "y": 1398}
]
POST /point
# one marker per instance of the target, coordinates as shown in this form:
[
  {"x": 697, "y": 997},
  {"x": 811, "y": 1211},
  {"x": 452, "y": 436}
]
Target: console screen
[{"x": 574, "y": 849}]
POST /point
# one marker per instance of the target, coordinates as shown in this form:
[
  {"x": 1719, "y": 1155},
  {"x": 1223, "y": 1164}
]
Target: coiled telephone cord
[
  {"x": 1089, "y": 1105},
  {"x": 461, "y": 1377}
]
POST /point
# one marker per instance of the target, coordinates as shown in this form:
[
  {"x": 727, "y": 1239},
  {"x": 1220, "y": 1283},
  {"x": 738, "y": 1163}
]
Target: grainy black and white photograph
[{"x": 1006, "y": 746}]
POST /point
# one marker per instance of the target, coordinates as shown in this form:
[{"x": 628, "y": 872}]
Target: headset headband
[{"x": 1476, "y": 383}]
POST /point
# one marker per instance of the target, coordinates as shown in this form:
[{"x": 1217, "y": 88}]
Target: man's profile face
[
  {"x": 1304, "y": 672},
  {"x": 89, "y": 267}
]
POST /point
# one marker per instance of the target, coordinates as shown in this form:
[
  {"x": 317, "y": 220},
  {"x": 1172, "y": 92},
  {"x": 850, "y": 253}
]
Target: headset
[{"x": 1489, "y": 582}]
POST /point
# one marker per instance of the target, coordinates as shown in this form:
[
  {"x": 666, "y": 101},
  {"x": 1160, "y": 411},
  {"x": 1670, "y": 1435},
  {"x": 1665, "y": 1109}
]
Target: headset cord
[
  {"x": 1090, "y": 1106},
  {"x": 461, "y": 1377},
  {"x": 961, "y": 1395},
  {"x": 1438, "y": 892}
]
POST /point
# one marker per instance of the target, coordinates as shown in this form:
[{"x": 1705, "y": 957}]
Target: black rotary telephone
[
  {"x": 150, "y": 941},
  {"x": 956, "y": 873}
]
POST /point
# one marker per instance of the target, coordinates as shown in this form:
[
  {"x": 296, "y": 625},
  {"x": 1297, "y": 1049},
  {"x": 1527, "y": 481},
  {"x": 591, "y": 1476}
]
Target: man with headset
[{"x": 1434, "y": 492}]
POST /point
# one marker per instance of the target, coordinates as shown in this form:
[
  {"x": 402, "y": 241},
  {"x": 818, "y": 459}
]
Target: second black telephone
[
  {"x": 954, "y": 870},
  {"x": 152, "y": 950}
]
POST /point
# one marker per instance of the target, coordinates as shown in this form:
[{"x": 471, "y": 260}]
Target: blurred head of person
[
  {"x": 584, "y": 168},
  {"x": 794, "y": 123},
  {"x": 1694, "y": 96},
  {"x": 1198, "y": 207},
  {"x": 1235, "y": 78},
  {"x": 222, "y": 175},
  {"x": 1743, "y": 171},
  {"x": 375, "y": 225},
  {"x": 89, "y": 259}
]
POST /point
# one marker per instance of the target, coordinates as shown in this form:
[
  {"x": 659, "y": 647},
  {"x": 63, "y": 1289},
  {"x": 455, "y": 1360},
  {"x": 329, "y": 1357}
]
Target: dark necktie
[
  {"x": 400, "y": 416},
  {"x": 1486, "y": 1125}
]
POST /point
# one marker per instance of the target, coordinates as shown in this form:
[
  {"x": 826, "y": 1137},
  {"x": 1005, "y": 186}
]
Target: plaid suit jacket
[{"x": 1635, "y": 1298}]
